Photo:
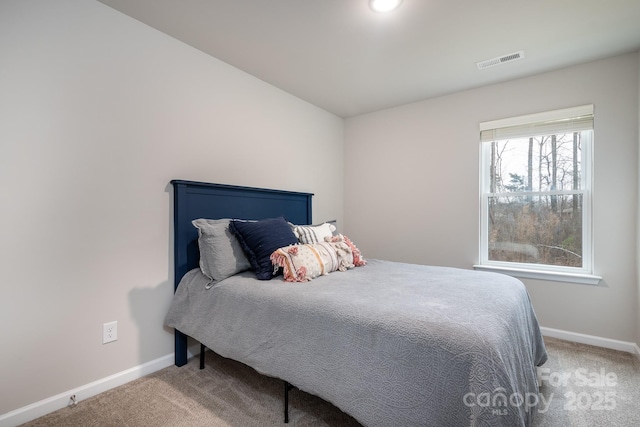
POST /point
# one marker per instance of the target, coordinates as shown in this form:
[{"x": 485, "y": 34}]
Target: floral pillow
[
  {"x": 304, "y": 262},
  {"x": 358, "y": 260},
  {"x": 343, "y": 251},
  {"x": 301, "y": 263}
]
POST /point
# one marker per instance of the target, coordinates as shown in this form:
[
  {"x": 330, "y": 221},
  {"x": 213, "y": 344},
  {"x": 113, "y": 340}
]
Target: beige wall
[
  {"x": 412, "y": 194},
  {"x": 99, "y": 113}
]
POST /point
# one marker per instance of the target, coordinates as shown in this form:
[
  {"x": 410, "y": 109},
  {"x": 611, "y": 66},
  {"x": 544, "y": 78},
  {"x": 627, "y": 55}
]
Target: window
[{"x": 536, "y": 195}]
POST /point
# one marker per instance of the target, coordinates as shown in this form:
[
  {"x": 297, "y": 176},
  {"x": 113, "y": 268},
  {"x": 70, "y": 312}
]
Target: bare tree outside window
[{"x": 535, "y": 200}]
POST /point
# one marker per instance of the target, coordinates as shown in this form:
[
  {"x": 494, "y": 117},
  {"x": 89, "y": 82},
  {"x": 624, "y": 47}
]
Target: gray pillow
[{"x": 221, "y": 255}]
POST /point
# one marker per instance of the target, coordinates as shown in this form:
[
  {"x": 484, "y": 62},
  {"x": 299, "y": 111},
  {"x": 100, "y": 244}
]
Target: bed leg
[
  {"x": 202, "y": 348},
  {"x": 287, "y": 387},
  {"x": 180, "y": 348}
]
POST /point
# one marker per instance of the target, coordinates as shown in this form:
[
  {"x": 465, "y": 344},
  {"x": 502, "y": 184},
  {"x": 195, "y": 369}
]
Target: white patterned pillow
[
  {"x": 301, "y": 263},
  {"x": 307, "y": 234},
  {"x": 343, "y": 251}
]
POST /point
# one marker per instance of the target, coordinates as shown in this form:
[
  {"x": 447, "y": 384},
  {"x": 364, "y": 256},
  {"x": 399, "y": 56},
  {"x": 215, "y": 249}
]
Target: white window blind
[{"x": 575, "y": 119}]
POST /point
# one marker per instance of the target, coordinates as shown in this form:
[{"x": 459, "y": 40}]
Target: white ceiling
[{"x": 349, "y": 60}]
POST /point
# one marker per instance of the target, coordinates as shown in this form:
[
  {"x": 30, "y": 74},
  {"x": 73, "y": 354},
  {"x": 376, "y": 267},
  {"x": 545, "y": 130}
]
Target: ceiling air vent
[{"x": 500, "y": 60}]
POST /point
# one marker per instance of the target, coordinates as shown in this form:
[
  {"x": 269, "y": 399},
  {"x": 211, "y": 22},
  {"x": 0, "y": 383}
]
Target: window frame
[{"x": 582, "y": 274}]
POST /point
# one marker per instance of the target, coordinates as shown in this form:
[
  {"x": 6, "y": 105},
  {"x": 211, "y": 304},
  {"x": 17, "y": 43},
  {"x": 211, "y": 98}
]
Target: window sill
[{"x": 587, "y": 279}]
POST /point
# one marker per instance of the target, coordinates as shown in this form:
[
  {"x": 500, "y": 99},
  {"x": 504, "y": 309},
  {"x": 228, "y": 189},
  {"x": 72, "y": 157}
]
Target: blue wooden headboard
[{"x": 193, "y": 200}]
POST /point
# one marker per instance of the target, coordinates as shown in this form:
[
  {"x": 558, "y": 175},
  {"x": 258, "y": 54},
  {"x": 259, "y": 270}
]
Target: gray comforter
[{"x": 391, "y": 344}]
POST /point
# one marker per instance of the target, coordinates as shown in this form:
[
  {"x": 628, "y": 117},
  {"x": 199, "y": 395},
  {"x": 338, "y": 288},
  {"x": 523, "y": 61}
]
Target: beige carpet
[
  {"x": 589, "y": 386},
  {"x": 228, "y": 393}
]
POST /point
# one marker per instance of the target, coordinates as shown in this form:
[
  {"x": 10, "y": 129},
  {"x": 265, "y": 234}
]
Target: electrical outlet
[{"x": 109, "y": 332}]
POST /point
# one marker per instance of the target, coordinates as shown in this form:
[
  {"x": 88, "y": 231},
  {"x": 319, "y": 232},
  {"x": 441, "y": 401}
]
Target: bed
[{"x": 388, "y": 343}]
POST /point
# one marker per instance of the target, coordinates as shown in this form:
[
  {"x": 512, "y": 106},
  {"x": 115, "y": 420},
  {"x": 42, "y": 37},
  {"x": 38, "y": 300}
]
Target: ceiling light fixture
[{"x": 384, "y": 5}]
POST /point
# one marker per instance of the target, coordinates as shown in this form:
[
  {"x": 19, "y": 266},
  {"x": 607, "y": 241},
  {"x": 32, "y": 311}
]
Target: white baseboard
[
  {"x": 629, "y": 347},
  {"x": 59, "y": 401}
]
